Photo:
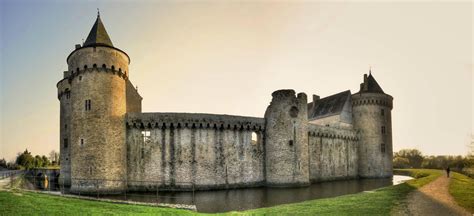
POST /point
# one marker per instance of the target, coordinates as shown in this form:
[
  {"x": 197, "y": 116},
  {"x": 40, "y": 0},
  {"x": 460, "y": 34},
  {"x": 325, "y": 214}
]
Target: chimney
[
  {"x": 315, "y": 98},
  {"x": 366, "y": 84}
]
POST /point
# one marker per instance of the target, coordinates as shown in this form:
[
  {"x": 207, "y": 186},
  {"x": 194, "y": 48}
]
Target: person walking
[{"x": 447, "y": 171}]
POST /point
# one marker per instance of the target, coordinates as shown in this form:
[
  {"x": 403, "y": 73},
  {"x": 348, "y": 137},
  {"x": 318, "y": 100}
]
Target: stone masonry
[{"x": 108, "y": 144}]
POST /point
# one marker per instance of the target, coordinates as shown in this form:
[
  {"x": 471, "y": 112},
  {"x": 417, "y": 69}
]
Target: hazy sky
[{"x": 228, "y": 57}]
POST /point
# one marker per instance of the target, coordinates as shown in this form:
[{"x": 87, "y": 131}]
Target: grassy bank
[
  {"x": 380, "y": 201},
  {"x": 461, "y": 188}
]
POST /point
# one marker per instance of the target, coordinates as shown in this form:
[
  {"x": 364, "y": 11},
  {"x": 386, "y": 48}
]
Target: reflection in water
[{"x": 251, "y": 198}]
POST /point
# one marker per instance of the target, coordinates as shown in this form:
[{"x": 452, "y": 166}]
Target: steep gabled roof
[
  {"x": 98, "y": 35},
  {"x": 328, "y": 106}
]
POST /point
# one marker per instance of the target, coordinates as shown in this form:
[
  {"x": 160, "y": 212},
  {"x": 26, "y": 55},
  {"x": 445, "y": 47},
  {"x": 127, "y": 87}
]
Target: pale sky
[{"x": 228, "y": 57}]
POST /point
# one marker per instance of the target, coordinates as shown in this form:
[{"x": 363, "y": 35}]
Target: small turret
[
  {"x": 372, "y": 118},
  {"x": 286, "y": 140}
]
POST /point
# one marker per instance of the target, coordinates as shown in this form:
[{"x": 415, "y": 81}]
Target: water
[{"x": 251, "y": 198}]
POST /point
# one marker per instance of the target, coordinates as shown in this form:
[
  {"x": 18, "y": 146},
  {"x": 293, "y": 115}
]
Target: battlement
[
  {"x": 332, "y": 132},
  {"x": 359, "y": 99},
  {"x": 194, "y": 120},
  {"x": 94, "y": 68}
]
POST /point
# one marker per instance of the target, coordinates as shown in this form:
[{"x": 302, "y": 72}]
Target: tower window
[
  {"x": 65, "y": 126},
  {"x": 94, "y": 66},
  {"x": 85, "y": 66},
  {"x": 82, "y": 142},
  {"x": 77, "y": 69},
  {"x": 113, "y": 67},
  {"x": 65, "y": 143},
  {"x": 103, "y": 66},
  {"x": 382, "y": 147},
  {"x": 383, "y": 129},
  {"x": 383, "y": 112},
  {"x": 88, "y": 105}
]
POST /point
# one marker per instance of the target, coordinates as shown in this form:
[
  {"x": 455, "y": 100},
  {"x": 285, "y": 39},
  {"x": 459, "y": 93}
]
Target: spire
[{"x": 98, "y": 35}]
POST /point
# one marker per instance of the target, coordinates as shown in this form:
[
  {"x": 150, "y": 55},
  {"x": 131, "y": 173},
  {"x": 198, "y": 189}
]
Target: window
[
  {"x": 383, "y": 129},
  {"x": 113, "y": 67},
  {"x": 85, "y": 66},
  {"x": 383, "y": 112},
  {"x": 103, "y": 66},
  {"x": 254, "y": 138},
  {"x": 146, "y": 136},
  {"x": 65, "y": 126},
  {"x": 65, "y": 143},
  {"x": 382, "y": 147},
  {"x": 82, "y": 142},
  {"x": 80, "y": 78},
  {"x": 88, "y": 105},
  {"x": 94, "y": 66}
]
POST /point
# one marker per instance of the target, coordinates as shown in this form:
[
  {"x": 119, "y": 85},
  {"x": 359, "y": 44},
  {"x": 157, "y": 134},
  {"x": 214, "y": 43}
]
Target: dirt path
[{"x": 433, "y": 199}]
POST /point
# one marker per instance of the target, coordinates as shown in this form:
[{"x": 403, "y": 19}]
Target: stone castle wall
[
  {"x": 333, "y": 153},
  {"x": 193, "y": 150}
]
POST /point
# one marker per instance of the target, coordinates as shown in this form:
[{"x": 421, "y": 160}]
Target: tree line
[
  {"x": 413, "y": 158},
  {"x": 25, "y": 160}
]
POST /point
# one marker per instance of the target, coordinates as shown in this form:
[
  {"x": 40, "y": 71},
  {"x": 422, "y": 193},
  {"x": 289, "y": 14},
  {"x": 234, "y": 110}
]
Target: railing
[
  {"x": 10, "y": 173},
  {"x": 139, "y": 191}
]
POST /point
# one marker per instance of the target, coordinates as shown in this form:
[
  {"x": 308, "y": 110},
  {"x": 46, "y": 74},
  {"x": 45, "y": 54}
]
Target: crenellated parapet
[
  {"x": 332, "y": 132},
  {"x": 359, "y": 99},
  {"x": 70, "y": 75},
  {"x": 194, "y": 120}
]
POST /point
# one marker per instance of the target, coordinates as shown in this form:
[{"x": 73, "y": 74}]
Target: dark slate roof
[
  {"x": 373, "y": 86},
  {"x": 328, "y": 106},
  {"x": 98, "y": 35}
]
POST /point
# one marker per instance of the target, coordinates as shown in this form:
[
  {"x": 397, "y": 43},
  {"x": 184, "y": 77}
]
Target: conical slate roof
[
  {"x": 98, "y": 35},
  {"x": 370, "y": 85},
  {"x": 373, "y": 86}
]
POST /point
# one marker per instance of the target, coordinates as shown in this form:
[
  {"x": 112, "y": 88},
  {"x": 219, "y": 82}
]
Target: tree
[
  {"x": 400, "y": 162},
  {"x": 3, "y": 163},
  {"x": 54, "y": 157},
  {"x": 25, "y": 160},
  {"x": 414, "y": 157}
]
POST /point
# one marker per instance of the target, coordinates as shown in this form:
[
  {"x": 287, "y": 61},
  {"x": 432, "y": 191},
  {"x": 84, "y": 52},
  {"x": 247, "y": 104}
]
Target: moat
[{"x": 250, "y": 198}]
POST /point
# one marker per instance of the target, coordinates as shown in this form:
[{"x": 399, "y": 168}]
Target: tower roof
[
  {"x": 98, "y": 35},
  {"x": 370, "y": 84}
]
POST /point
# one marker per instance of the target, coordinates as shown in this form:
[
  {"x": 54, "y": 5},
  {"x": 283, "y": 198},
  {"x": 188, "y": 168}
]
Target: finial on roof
[
  {"x": 98, "y": 12},
  {"x": 370, "y": 69}
]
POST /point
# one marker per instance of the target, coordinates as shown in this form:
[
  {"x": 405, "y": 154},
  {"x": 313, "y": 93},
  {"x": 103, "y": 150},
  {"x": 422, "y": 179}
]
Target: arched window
[
  {"x": 94, "y": 66},
  {"x": 120, "y": 69},
  {"x": 254, "y": 138},
  {"x": 113, "y": 68},
  {"x": 103, "y": 66},
  {"x": 85, "y": 66},
  {"x": 77, "y": 69}
]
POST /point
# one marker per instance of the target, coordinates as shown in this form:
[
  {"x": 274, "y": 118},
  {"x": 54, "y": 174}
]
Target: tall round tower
[
  {"x": 95, "y": 117},
  {"x": 286, "y": 140},
  {"x": 371, "y": 109}
]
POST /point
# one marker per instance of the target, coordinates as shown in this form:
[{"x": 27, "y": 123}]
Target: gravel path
[{"x": 433, "y": 199}]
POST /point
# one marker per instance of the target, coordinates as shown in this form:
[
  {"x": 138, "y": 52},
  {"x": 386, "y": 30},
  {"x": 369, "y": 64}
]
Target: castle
[{"x": 108, "y": 144}]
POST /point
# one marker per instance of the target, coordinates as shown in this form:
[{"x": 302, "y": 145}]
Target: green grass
[
  {"x": 378, "y": 202},
  {"x": 461, "y": 188}
]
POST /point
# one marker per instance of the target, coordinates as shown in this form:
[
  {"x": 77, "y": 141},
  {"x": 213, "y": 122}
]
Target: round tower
[
  {"x": 371, "y": 109},
  {"x": 97, "y": 75},
  {"x": 286, "y": 140}
]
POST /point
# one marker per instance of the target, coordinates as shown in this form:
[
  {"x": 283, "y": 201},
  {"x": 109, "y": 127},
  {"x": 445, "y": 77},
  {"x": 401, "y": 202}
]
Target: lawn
[
  {"x": 461, "y": 188},
  {"x": 377, "y": 202}
]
